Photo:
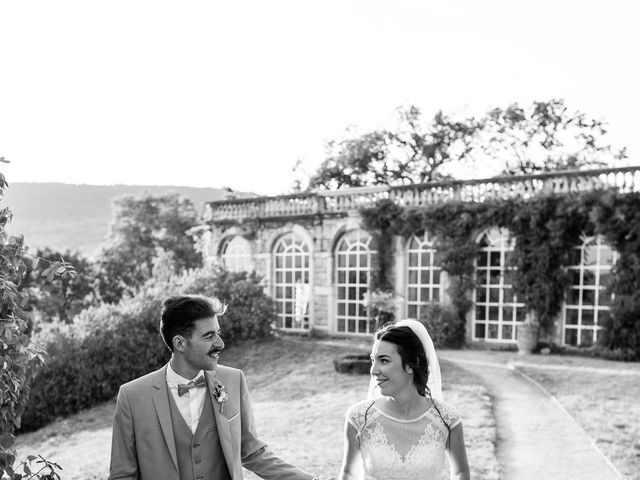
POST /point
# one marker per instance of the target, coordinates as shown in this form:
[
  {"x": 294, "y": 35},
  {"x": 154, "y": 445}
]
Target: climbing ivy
[{"x": 545, "y": 230}]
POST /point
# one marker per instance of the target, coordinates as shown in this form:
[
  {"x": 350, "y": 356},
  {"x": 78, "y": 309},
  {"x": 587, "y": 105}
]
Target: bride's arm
[
  {"x": 351, "y": 462},
  {"x": 458, "y": 454}
]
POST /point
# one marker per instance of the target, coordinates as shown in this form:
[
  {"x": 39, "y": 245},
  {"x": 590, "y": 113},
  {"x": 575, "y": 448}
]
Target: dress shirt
[{"x": 190, "y": 404}]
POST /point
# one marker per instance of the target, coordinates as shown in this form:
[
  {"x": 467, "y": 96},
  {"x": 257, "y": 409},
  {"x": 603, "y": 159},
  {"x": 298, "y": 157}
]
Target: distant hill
[{"x": 76, "y": 217}]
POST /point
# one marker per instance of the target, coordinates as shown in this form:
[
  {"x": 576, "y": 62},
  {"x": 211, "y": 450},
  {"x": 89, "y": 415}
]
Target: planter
[
  {"x": 358, "y": 364},
  {"x": 527, "y": 337}
]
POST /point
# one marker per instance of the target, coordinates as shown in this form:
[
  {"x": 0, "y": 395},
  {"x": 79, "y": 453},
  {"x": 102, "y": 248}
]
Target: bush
[
  {"x": 109, "y": 345},
  {"x": 444, "y": 325}
]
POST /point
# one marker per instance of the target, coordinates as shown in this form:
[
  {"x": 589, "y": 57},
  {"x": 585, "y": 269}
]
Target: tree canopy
[
  {"x": 143, "y": 226},
  {"x": 540, "y": 137}
]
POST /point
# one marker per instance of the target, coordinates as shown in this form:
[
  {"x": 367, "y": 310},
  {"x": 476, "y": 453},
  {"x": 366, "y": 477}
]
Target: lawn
[
  {"x": 605, "y": 405},
  {"x": 299, "y": 402}
]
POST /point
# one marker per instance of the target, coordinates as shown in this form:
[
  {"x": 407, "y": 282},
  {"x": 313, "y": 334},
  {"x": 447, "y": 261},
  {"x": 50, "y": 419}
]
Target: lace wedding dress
[{"x": 395, "y": 449}]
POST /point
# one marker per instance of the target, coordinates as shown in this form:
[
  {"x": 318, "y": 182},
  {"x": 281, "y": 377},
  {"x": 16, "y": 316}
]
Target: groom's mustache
[{"x": 215, "y": 350}]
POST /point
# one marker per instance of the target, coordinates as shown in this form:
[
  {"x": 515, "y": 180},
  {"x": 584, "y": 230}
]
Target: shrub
[
  {"x": 109, "y": 345},
  {"x": 444, "y": 325}
]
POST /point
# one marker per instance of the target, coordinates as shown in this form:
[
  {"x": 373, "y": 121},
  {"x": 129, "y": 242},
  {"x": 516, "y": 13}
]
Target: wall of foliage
[
  {"x": 546, "y": 229},
  {"x": 109, "y": 345}
]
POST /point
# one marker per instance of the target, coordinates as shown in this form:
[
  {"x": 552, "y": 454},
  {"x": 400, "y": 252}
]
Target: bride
[{"x": 404, "y": 428}]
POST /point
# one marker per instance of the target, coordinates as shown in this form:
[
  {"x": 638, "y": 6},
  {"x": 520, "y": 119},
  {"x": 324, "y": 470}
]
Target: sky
[{"x": 232, "y": 94}]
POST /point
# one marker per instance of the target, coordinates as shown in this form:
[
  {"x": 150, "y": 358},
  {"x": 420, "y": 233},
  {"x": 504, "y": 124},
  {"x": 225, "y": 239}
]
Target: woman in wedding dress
[{"x": 404, "y": 428}]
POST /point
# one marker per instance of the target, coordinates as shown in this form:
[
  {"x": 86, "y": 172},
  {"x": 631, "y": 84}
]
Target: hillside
[{"x": 76, "y": 217}]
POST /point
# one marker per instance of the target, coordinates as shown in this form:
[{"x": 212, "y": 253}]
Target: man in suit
[{"x": 192, "y": 419}]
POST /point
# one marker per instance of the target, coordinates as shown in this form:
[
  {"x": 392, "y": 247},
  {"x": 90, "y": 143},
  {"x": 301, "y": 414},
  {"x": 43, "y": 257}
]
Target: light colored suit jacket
[{"x": 143, "y": 445}]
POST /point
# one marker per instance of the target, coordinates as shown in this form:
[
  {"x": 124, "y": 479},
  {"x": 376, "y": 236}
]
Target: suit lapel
[
  {"x": 222, "y": 422},
  {"x": 161, "y": 404}
]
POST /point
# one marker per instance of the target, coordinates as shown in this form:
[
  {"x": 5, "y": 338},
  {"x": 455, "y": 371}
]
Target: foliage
[
  {"x": 111, "y": 344},
  {"x": 44, "y": 469},
  {"x": 545, "y": 230},
  {"x": 382, "y": 305},
  {"x": 545, "y": 136},
  {"x": 143, "y": 226},
  {"x": 60, "y": 298},
  {"x": 619, "y": 220},
  {"x": 445, "y": 327},
  {"x": 411, "y": 153},
  {"x": 540, "y": 137},
  {"x": 19, "y": 356}
]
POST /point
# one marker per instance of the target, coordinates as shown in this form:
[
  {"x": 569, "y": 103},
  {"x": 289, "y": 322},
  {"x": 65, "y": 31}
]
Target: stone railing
[{"x": 626, "y": 179}]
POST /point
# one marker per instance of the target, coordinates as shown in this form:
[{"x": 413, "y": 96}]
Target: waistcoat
[{"x": 199, "y": 454}]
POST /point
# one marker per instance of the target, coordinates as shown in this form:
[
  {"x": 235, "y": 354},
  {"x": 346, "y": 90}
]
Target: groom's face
[{"x": 204, "y": 346}]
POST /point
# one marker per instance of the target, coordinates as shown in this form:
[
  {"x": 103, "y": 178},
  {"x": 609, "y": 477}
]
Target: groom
[{"x": 192, "y": 419}]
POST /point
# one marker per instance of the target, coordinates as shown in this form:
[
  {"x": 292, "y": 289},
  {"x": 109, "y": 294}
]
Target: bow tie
[{"x": 185, "y": 387}]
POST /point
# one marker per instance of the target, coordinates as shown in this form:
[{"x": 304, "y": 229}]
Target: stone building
[{"x": 316, "y": 258}]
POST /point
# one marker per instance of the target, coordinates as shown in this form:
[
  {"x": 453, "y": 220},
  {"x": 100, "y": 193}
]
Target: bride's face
[{"x": 387, "y": 369}]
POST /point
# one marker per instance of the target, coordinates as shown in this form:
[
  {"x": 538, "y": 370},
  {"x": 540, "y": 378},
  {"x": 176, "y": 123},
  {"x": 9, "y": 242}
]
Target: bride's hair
[{"x": 411, "y": 352}]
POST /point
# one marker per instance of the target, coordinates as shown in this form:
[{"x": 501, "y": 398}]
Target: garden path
[{"x": 537, "y": 438}]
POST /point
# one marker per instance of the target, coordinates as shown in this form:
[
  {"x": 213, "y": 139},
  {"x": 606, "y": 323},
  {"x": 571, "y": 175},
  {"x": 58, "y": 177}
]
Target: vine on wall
[{"x": 545, "y": 230}]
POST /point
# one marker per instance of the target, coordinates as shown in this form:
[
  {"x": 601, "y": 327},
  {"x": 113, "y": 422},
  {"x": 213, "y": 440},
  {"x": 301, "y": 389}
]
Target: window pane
[
  {"x": 493, "y": 331},
  {"x": 507, "y": 332},
  {"x": 480, "y": 329},
  {"x": 571, "y": 317},
  {"x": 586, "y": 337},
  {"x": 588, "y": 297},
  {"x": 574, "y": 297},
  {"x": 494, "y": 295},
  {"x": 588, "y": 277},
  {"x": 481, "y": 295},
  {"x": 587, "y": 317},
  {"x": 571, "y": 336}
]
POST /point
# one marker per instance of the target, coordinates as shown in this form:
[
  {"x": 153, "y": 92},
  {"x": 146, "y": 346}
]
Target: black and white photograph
[{"x": 319, "y": 240}]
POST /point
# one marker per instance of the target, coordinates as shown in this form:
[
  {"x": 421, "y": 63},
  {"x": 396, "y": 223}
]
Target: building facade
[{"x": 317, "y": 259}]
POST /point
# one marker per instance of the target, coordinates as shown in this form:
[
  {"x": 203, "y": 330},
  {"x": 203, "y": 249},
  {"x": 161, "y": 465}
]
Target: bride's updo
[{"x": 411, "y": 352}]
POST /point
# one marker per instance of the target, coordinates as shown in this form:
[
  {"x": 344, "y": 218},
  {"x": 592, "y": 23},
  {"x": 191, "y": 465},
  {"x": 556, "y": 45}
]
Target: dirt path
[{"x": 537, "y": 438}]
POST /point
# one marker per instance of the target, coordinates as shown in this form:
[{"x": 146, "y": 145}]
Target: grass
[
  {"x": 601, "y": 395},
  {"x": 605, "y": 405},
  {"x": 299, "y": 403}
]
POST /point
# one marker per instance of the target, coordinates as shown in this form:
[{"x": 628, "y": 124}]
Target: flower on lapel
[{"x": 220, "y": 394}]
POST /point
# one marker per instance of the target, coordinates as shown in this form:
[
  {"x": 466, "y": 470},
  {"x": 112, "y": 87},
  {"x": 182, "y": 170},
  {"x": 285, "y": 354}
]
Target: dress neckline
[{"x": 402, "y": 420}]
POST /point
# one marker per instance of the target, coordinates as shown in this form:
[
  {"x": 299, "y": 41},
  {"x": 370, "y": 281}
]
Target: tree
[
  {"x": 545, "y": 136},
  {"x": 19, "y": 357},
  {"x": 411, "y": 153},
  {"x": 141, "y": 228},
  {"x": 63, "y": 297}
]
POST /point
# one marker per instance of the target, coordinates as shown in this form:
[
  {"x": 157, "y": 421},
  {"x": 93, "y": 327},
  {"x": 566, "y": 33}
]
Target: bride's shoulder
[
  {"x": 449, "y": 412},
  {"x": 357, "y": 410}
]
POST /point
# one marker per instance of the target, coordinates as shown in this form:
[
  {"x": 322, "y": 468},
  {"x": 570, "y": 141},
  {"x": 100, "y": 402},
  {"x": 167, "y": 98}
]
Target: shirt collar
[{"x": 173, "y": 379}]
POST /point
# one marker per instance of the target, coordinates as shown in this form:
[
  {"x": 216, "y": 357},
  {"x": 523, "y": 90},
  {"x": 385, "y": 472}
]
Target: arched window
[
  {"x": 423, "y": 274},
  {"x": 236, "y": 254},
  {"x": 292, "y": 289},
  {"x": 587, "y": 304},
  {"x": 353, "y": 277},
  {"x": 497, "y": 310}
]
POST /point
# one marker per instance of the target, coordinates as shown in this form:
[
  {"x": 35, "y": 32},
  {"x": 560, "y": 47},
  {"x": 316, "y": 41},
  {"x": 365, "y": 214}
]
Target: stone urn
[{"x": 527, "y": 334}]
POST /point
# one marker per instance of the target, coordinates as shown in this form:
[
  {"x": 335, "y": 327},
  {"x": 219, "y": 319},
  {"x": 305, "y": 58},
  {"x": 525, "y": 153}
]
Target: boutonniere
[{"x": 220, "y": 394}]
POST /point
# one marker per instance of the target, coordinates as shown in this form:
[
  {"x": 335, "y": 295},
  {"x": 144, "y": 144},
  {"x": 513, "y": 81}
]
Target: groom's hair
[
  {"x": 180, "y": 314},
  {"x": 411, "y": 352}
]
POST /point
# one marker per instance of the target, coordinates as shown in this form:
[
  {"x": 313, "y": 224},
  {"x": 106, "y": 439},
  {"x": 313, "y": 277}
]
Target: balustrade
[{"x": 626, "y": 179}]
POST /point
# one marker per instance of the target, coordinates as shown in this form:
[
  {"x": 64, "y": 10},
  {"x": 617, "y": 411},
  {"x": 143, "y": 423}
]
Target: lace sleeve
[
  {"x": 450, "y": 414},
  {"x": 355, "y": 414}
]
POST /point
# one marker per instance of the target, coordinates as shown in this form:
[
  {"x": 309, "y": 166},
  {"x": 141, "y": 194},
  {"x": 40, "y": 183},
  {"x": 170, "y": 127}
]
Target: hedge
[{"x": 109, "y": 345}]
